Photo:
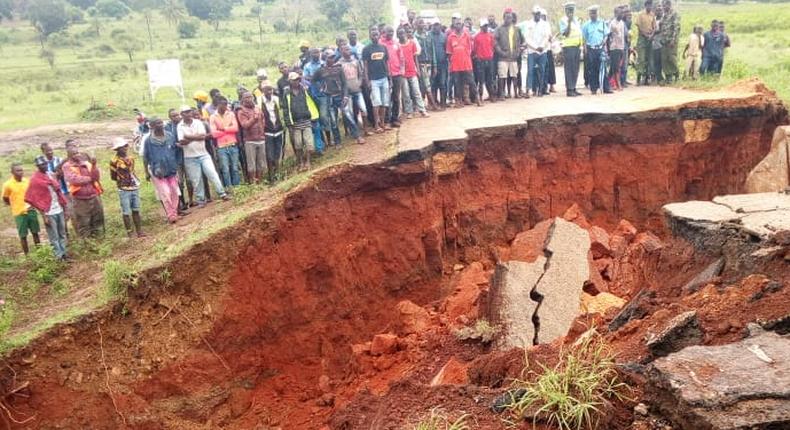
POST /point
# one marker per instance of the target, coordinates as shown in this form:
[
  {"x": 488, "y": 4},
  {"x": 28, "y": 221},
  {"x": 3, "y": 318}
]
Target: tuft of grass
[
  {"x": 6, "y": 317},
  {"x": 438, "y": 420},
  {"x": 574, "y": 394},
  {"x": 481, "y": 331},
  {"x": 45, "y": 266},
  {"x": 118, "y": 277}
]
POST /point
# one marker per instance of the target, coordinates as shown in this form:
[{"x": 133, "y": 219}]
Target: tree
[
  {"x": 127, "y": 43},
  {"x": 212, "y": 11},
  {"x": 48, "y": 55},
  {"x": 112, "y": 8},
  {"x": 96, "y": 25},
  {"x": 47, "y": 16},
  {"x": 173, "y": 11},
  {"x": 6, "y": 10},
  {"x": 294, "y": 14},
  {"x": 83, "y": 4},
  {"x": 364, "y": 13},
  {"x": 334, "y": 10},
  {"x": 146, "y": 8},
  {"x": 187, "y": 28},
  {"x": 257, "y": 11}
]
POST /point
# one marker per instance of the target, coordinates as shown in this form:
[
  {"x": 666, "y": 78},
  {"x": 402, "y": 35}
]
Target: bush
[
  {"x": 104, "y": 50},
  {"x": 45, "y": 266},
  {"x": 112, "y": 8},
  {"x": 99, "y": 112},
  {"x": 187, "y": 29},
  {"x": 118, "y": 277},
  {"x": 75, "y": 15},
  {"x": 574, "y": 393},
  {"x": 280, "y": 25}
]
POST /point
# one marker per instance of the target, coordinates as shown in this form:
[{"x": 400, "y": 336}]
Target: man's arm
[
  {"x": 233, "y": 128},
  {"x": 6, "y": 195},
  {"x": 246, "y": 120},
  {"x": 75, "y": 178}
]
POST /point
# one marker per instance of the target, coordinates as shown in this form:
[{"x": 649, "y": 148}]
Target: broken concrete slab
[
  {"x": 742, "y": 385},
  {"x": 704, "y": 277},
  {"x": 509, "y": 304},
  {"x": 635, "y": 309},
  {"x": 749, "y": 203},
  {"x": 771, "y": 174},
  {"x": 681, "y": 331},
  {"x": 561, "y": 285}
]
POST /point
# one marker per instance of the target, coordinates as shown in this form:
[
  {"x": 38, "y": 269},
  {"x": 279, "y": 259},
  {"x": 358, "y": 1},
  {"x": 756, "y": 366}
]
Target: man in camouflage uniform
[
  {"x": 669, "y": 30},
  {"x": 646, "y": 24}
]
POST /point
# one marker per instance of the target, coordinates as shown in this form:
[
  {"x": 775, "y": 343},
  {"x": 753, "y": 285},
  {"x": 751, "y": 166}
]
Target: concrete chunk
[
  {"x": 561, "y": 285},
  {"x": 680, "y": 332},
  {"x": 742, "y": 385},
  {"x": 510, "y": 305}
]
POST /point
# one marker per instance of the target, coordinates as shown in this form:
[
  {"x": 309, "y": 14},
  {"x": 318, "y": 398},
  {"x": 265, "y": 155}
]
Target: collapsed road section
[{"x": 336, "y": 307}]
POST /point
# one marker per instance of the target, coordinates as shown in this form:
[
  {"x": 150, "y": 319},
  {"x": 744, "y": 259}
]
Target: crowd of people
[{"x": 362, "y": 87}]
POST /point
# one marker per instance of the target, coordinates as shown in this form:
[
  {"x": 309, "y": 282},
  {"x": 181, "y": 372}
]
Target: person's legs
[
  {"x": 224, "y": 164},
  {"x": 315, "y": 127},
  {"x": 541, "y": 78},
  {"x": 163, "y": 190},
  {"x": 194, "y": 171},
  {"x": 252, "y": 166},
  {"x": 718, "y": 63},
  {"x": 415, "y": 95},
  {"x": 567, "y": 56},
  {"x": 591, "y": 67},
  {"x": 615, "y": 57},
  {"x": 360, "y": 106},
  {"x": 134, "y": 201},
  {"x": 125, "y": 198},
  {"x": 308, "y": 148},
  {"x": 235, "y": 177},
  {"x": 408, "y": 103},
  {"x": 56, "y": 231},
  {"x": 335, "y": 103},
  {"x": 458, "y": 89},
  {"x": 489, "y": 70},
  {"x": 274, "y": 147},
  {"x": 211, "y": 174},
  {"x": 97, "y": 216},
  {"x": 395, "y": 100},
  {"x": 260, "y": 159}
]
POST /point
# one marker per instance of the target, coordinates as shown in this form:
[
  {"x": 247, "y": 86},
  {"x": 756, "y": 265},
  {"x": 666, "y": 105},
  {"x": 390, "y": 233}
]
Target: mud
[{"x": 268, "y": 324}]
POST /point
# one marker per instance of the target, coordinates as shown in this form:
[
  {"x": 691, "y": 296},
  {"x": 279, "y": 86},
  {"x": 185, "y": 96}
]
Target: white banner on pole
[{"x": 165, "y": 73}]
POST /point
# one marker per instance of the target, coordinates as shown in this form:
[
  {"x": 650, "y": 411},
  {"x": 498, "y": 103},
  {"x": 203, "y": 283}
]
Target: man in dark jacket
[
  {"x": 161, "y": 166},
  {"x": 299, "y": 111},
  {"x": 507, "y": 45}
]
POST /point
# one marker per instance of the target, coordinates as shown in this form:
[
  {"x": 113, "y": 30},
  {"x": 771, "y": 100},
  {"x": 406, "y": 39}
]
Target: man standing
[
  {"x": 55, "y": 170},
  {"x": 161, "y": 167},
  {"x": 395, "y": 62},
  {"x": 595, "y": 33},
  {"x": 484, "y": 61},
  {"x": 692, "y": 53},
  {"x": 412, "y": 97},
  {"x": 627, "y": 21},
  {"x": 251, "y": 123},
  {"x": 616, "y": 47},
  {"x": 571, "y": 36},
  {"x": 437, "y": 41},
  {"x": 224, "y": 128},
  {"x": 282, "y": 83},
  {"x": 646, "y": 25},
  {"x": 184, "y": 187},
  {"x": 507, "y": 45},
  {"x": 191, "y": 137},
  {"x": 45, "y": 195},
  {"x": 82, "y": 177},
  {"x": 313, "y": 85},
  {"x": 353, "y": 44},
  {"x": 336, "y": 90},
  {"x": 536, "y": 39},
  {"x": 376, "y": 61},
  {"x": 712, "y": 50},
  {"x": 459, "y": 49},
  {"x": 424, "y": 61},
  {"x": 355, "y": 81},
  {"x": 14, "y": 190},
  {"x": 122, "y": 172},
  {"x": 273, "y": 131},
  {"x": 299, "y": 110},
  {"x": 262, "y": 77},
  {"x": 670, "y": 34}
]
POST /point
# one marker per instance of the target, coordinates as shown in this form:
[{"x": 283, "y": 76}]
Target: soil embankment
[{"x": 265, "y": 325}]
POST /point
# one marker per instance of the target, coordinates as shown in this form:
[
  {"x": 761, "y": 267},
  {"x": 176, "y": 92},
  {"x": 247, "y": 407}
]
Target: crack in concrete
[{"x": 534, "y": 295}]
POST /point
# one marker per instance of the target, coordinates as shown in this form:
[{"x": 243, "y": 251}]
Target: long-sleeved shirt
[
  {"x": 508, "y": 40},
  {"x": 536, "y": 35},
  {"x": 646, "y": 23},
  {"x": 334, "y": 80},
  {"x": 595, "y": 32},
  {"x": 160, "y": 155},
  {"x": 82, "y": 178},
  {"x": 251, "y": 123},
  {"x": 395, "y": 56},
  {"x": 436, "y": 48},
  {"x": 574, "y": 38},
  {"x": 224, "y": 128},
  {"x": 459, "y": 48},
  {"x": 670, "y": 29},
  {"x": 423, "y": 39}
]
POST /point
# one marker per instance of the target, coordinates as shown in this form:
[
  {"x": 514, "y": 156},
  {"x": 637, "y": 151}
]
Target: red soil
[{"x": 266, "y": 325}]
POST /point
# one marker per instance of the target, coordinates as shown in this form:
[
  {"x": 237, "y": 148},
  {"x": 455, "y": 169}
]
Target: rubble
[
  {"x": 681, "y": 331},
  {"x": 741, "y": 385}
]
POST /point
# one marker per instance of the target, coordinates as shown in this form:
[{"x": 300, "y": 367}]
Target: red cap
[{"x": 508, "y": 10}]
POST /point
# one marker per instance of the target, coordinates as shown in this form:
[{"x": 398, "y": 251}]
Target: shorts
[
  {"x": 380, "y": 92},
  {"x": 27, "y": 222},
  {"x": 507, "y": 69},
  {"x": 130, "y": 201}
]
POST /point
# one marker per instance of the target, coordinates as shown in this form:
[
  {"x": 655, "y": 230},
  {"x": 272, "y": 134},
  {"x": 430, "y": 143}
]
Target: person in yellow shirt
[{"x": 25, "y": 216}]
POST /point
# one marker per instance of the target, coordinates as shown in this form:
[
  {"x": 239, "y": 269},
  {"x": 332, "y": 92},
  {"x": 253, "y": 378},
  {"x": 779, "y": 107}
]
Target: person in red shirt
[
  {"x": 484, "y": 61},
  {"x": 459, "y": 48},
  {"x": 412, "y": 97}
]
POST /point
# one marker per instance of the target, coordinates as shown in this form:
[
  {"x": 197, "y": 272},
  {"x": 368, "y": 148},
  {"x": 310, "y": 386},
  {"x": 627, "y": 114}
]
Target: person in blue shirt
[
  {"x": 313, "y": 87},
  {"x": 595, "y": 32}
]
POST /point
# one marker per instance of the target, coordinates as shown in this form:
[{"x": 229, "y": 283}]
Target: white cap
[
  {"x": 483, "y": 21},
  {"x": 262, "y": 73},
  {"x": 594, "y": 7},
  {"x": 185, "y": 108},
  {"x": 536, "y": 9},
  {"x": 569, "y": 5},
  {"x": 119, "y": 142},
  {"x": 457, "y": 15}
]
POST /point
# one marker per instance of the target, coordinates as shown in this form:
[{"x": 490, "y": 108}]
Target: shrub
[
  {"x": 438, "y": 420},
  {"x": 572, "y": 394},
  {"x": 45, "y": 266},
  {"x": 112, "y": 8},
  {"x": 104, "y": 50},
  {"x": 280, "y": 25},
  {"x": 187, "y": 29},
  {"x": 99, "y": 112},
  {"x": 118, "y": 277},
  {"x": 482, "y": 331}
]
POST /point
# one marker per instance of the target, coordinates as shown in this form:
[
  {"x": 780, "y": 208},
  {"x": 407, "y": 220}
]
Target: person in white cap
[
  {"x": 536, "y": 41},
  {"x": 595, "y": 32},
  {"x": 122, "y": 172},
  {"x": 263, "y": 76},
  {"x": 571, "y": 38}
]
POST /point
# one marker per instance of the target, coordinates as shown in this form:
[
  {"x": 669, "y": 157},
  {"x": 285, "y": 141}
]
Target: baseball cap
[{"x": 119, "y": 142}]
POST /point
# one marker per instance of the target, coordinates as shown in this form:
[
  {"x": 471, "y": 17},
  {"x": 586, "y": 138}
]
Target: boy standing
[
  {"x": 692, "y": 53},
  {"x": 122, "y": 172},
  {"x": 45, "y": 194},
  {"x": 14, "y": 190}
]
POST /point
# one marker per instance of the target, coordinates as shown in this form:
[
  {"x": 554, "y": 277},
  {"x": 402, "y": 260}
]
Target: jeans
[
  {"x": 484, "y": 76},
  {"x": 536, "y": 73},
  {"x": 333, "y": 103},
  {"x": 229, "y": 165},
  {"x": 197, "y": 167},
  {"x": 412, "y": 95},
  {"x": 395, "y": 102},
  {"x": 439, "y": 83},
  {"x": 461, "y": 79},
  {"x": 130, "y": 201},
  {"x": 318, "y": 139},
  {"x": 592, "y": 69},
  {"x": 56, "y": 233},
  {"x": 348, "y": 117},
  {"x": 710, "y": 65}
]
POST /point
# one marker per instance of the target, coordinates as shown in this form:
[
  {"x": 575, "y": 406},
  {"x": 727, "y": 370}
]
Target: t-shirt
[
  {"x": 122, "y": 172},
  {"x": 376, "y": 58},
  {"x": 332, "y": 78},
  {"x": 196, "y": 148},
  {"x": 409, "y": 54},
  {"x": 616, "y": 34},
  {"x": 54, "y": 204},
  {"x": 695, "y": 42},
  {"x": 459, "y": 47},
  {"x": 394, "y": 56},
  {"x": 15, "y": 191},
  {"x": 353, "y": 71},
  {"x": 484, "y": 46}
]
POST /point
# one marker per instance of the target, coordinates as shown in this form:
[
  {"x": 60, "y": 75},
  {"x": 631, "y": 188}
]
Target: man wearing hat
[
  {"x": 45, "y": 195},
  {"x": 571, "y": 37},
  {"x": 82, "y": 177},
  {"x": 122, "y": 172},
  {"x": 536, "y": 40},
  {"x": 595, "y": 32},
  {"x": 197, "y": 161},
  {"x": 262, "y": 76},
  {"x": 304, "y": 56},
  {"x": 299, "y": 111}
]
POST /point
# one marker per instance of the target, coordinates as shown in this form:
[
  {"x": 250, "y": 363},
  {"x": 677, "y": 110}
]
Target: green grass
[
  {"x": 573, "y": 394},
  {"x": 436, "y": 419},
  {"x": 118, "y": 277}
]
